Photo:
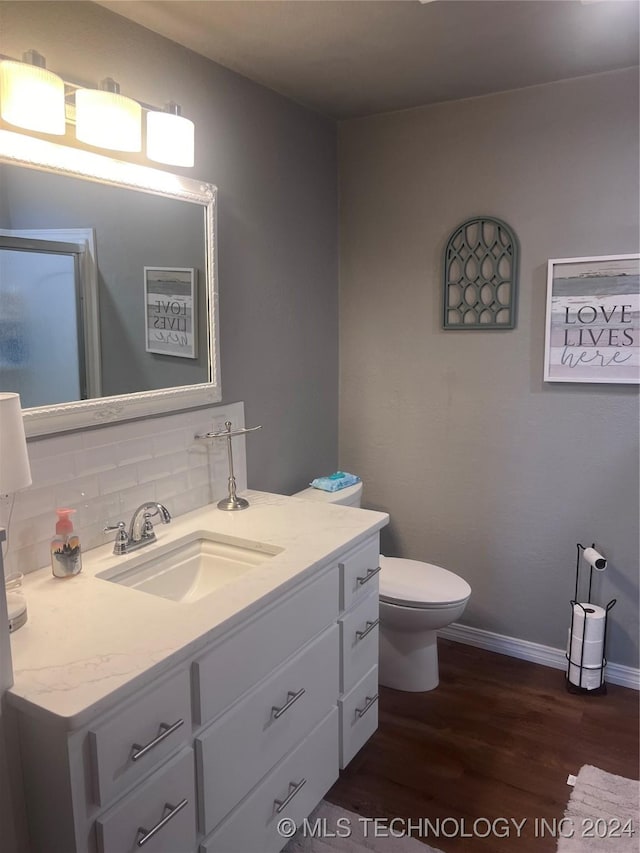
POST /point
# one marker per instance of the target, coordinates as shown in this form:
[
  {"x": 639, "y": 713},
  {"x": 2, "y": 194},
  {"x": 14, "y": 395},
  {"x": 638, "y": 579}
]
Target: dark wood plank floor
[{"x": 496, "y": 739}]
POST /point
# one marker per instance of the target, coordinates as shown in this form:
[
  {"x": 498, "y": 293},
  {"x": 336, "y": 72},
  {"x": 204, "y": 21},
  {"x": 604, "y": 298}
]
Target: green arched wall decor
[{"x": 481, "y": 275}]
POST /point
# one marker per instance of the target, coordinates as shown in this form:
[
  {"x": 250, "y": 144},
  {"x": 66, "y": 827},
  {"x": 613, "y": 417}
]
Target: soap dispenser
[{"x": 66, "y": 558}]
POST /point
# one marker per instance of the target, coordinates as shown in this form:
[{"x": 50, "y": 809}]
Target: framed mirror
[{"x": 108, "y": 287}]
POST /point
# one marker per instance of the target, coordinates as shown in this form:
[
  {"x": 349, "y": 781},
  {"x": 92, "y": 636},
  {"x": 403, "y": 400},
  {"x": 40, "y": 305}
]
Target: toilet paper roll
[
  {"x": 590, "y": 679},
  {"x": 589, "y": 621},
  {"x": 595, "y": 559},
  {"x": 592, "y": 654}
]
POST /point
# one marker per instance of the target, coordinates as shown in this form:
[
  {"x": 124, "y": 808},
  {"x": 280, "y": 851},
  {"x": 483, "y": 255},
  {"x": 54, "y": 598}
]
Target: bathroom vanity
[{"x": 197, "y": 724}]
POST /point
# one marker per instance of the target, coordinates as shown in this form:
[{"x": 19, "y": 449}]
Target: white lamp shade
[
  {"x": 31, "y": 97},
  {"x": 15, "y": 472},
  {"x": 108, "y": 120},
  {"x": 170, "y": 139}
]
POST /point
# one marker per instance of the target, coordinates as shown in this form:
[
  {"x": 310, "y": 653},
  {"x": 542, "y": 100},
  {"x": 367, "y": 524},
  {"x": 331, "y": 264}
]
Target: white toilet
[{"x": 416, "y": 599}]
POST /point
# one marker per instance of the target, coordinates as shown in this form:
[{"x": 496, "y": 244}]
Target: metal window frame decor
[
  {"x": 592, "y": 329},
  {"x": 481, "y": 265}
]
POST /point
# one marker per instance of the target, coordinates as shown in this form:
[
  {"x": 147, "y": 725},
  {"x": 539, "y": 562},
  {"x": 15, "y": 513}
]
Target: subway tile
[
  {"x": 133, "y": 498},
  {"x": 167, "y": 423},
  {"x": 53, "y": 445},
  {"x": 29, "y": 559},
  {"x": 92, "y": 438},
  {"x": 107, "y": 472},
  {"x": 175, "y": 484},
  {"x": 117, "y": 480},
  {"x": 154, "y": 469},
  {"x": 33, "y": 501},
  {"x": 77, "y": 492},
  {"x": 193, "y": 499},
  {"x": 53, "y": 469},
  {"x": 165, "y": 443},
  {"x": 108, "y": 509},
  {"x": 198, "y": 477},
  {"x": 180, "y": 461},
  {"x": 93, "y": 536},
  {"x": 134, "y": 450},
  {"x": 97, "y": 459},
  {"x": 25, "y": 532}
]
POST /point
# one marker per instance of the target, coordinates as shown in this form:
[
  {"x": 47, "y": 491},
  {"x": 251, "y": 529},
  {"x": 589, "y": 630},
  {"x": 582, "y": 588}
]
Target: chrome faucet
[{"x": 141, "y": 530}]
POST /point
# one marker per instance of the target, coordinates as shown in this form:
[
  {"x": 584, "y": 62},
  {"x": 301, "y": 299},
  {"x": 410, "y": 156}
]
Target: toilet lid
[{"x": 415, "y": 584}]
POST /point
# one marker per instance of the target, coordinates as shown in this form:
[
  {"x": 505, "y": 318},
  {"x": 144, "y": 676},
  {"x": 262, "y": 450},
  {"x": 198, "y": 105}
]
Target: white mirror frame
[{"x": 20, "y": 150}]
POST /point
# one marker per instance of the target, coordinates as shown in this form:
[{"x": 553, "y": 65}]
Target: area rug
[
  {"x": 603, "y": 814},
  {"x": 331, "y": 828}
]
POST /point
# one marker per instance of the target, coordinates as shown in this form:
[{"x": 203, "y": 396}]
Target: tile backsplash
[{"x": 106, "y": 472}]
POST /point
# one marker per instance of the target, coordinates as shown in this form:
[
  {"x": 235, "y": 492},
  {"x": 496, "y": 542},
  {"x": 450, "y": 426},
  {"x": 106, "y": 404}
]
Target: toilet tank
[{"x": 351, "y": 496}]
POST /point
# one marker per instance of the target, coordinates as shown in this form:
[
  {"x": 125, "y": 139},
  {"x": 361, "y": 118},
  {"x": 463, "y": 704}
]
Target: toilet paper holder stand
[{"x": 582, "y": 667}]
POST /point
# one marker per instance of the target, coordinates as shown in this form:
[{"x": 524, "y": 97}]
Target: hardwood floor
[{"x": 496, "y": 740}]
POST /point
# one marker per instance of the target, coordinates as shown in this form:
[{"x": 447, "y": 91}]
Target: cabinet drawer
[
  {"x": 359, "y": 570},
  {"x": 159, "y": 721},
  {"x": 305, "y": 776},
  {"x": 245, "y": 743},
  {"x": 237, "y": 663},
  {"x": 359, "y": 641},
  {"x": 358, "y": 716},
  {"x": 165, "y": 802}
]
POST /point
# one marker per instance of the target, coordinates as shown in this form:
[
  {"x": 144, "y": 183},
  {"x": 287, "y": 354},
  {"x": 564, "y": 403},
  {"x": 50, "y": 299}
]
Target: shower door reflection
[{"x": 42, "y": 353}]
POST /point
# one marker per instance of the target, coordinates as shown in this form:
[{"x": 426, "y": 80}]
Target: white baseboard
[{"x": 615, "y": 673}]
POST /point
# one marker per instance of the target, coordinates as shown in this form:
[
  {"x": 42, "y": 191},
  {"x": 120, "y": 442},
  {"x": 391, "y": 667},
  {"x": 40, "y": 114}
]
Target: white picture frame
[
  {"x": 171, "y": 317},
  {"x": 593, "y": 320}
]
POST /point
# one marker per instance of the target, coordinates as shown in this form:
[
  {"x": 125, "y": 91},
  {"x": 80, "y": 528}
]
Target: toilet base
[{"x": 408, "y": 659}]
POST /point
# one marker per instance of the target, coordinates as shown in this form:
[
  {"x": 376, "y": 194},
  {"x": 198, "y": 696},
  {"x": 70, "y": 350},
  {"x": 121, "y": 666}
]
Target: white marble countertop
[{"x": 88, "y": 642}]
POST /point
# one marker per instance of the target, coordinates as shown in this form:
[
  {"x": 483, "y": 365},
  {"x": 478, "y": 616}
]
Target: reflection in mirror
[
  {"x": 82, "y": 250},
  {"x": 42, "y": 336}
]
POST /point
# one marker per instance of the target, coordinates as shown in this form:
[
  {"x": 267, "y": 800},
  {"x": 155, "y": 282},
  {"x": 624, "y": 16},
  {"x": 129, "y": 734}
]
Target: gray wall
[
  {"x": 484, "y": 468},
  {"x": 274, "y": 164}
]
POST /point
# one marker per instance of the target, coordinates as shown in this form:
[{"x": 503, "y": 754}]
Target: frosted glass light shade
[
  {"x": 170, "y": 139},
  {"x": 31, "y": 97},
  {"x": 108, "y": 120},
  {"x": 15, "y": 472}
]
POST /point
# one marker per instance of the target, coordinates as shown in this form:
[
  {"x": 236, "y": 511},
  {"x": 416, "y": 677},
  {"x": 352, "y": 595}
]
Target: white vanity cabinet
[
  {"x": 358, "y": 621},
  {"x": 209, "y": 757}
]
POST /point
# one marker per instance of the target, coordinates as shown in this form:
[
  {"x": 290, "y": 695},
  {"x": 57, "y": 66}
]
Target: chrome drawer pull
[
  {"x": 371, "y": 700},
  {"x": 138, "y": 751},
  {"x": 370, "y": 626},
  {"x": 293, "y": 790},
  {"x": 291, "y": 698},
  {"x": 147, "y": 834},
  {"x": 369, "y": 575}
]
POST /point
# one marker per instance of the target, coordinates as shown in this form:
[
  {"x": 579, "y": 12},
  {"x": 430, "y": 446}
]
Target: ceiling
[{"x": 349, "y": 58}]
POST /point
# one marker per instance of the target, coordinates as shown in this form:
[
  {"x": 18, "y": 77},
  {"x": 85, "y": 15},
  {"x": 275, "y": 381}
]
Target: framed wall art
[
  {"x": 170, "y": 311},
  {"x": 593, "y": 320}
]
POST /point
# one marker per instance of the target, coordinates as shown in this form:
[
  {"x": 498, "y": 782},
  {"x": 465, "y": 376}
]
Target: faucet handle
[
  {"x": 122, "y": 537},
  {"x": 147, "y": 526}
]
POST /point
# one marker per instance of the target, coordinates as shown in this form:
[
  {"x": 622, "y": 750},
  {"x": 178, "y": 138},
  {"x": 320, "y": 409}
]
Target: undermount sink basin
[{"x": 190, "y": 568}]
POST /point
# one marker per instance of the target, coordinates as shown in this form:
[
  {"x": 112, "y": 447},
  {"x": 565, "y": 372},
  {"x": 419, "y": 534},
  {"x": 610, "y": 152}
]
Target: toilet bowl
[{"x": 416, "y": 599}]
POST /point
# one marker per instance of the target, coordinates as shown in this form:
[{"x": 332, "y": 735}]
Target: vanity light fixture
[
  {"x": 30, "y": 96},
  {"x": 107, "y": 119},
  {"x": 36, "y": 99},
  {"x": 170, "y": 136}
]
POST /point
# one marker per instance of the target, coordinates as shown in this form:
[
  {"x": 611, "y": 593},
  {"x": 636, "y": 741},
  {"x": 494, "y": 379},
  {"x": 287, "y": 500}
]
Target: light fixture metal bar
[{"x": 71, "y": 86}]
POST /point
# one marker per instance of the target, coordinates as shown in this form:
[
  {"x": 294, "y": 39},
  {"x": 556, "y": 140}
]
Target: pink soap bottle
[{"x": 66, "y": 556}]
